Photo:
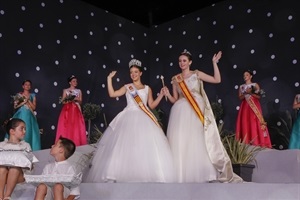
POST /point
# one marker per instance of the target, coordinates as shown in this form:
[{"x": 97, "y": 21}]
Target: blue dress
[
  {"x": 32, "y": 135},
  {"x": 295, "y": 134}
]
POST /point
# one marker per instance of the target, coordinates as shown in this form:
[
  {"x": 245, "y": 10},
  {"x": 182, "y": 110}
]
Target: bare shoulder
[{"x": 197, "y": 71}]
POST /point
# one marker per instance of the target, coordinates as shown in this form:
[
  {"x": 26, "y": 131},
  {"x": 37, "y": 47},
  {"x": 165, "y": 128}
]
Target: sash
[
  {"x": 189, "y": 97},
  {"x": 133, "y": 92},
  {"x": 263, "y": 124}
]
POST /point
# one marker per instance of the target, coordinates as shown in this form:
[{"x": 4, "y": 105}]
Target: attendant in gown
[
  {"x": 134, "y": 147},
  {"x": 71, "y": 123},
  {"x": 198, "y": 152},
  {"x": 295, "y": 135},
  {"x": 250, "y": 125},
  {"x": 25, "y": 104}
]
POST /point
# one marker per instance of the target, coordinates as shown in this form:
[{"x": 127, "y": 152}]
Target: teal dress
[
  {"x": 32, "y": 135},
  {"x": 295, "y": 135}
]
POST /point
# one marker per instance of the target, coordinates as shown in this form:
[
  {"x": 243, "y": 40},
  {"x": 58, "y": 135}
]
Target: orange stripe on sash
[
  {"x": 257, "y": 113},
  {"x": 139, "y": 101},
  {"x": 189, "y": 97}
]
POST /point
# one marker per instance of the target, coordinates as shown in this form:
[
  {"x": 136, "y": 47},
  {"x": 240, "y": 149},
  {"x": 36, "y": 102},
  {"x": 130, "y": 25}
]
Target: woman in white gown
[
  {"x": 198, "y": 152},
  {"x": 134, "y": 147}
]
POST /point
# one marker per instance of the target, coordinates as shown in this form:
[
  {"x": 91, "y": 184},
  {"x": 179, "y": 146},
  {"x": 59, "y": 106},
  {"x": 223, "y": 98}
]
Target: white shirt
[{"x": 62, "y": 167}]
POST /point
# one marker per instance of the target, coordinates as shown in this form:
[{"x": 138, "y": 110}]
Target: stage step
[{"x": 179, "y": 191}]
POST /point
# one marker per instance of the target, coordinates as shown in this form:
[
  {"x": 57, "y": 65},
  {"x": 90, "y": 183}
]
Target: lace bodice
[
  {"x": 244, "y": 87},
  {"x": 193, "y": 83},
  {"x": 75, "y": 92},
  {"x": 143, "y": 93},
  {"x": 11, "y": 146}
]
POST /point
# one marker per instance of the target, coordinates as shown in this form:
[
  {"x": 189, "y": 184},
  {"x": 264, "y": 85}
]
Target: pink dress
[
  {"x": 71, "y": 123},
  {"x": 248, "y": 125}
]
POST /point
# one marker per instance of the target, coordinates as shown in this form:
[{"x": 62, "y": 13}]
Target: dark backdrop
[{"x": 49, "y": 40}]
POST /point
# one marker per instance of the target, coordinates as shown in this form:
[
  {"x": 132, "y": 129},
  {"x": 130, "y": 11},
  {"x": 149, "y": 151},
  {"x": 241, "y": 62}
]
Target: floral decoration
[
  {"x": 18, "y": 98},
  {"x": 68, "y": 98}
]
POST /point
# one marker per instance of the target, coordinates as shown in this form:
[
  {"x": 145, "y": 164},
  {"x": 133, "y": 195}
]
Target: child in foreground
[
  {"x": 61, "y": 151},
  {"x": 14, "y": 154}
]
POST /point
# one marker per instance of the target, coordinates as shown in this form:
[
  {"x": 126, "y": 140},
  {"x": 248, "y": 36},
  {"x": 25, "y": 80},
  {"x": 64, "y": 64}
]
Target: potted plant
[
  {"x": 90, "y": 112},
  {"x": 242, "y": 156}
]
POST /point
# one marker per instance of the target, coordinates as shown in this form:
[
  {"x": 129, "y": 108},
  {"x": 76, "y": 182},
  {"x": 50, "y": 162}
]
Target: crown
[
  {"x": 186, "y": 52},
  {"x": 135, "y": 62}
]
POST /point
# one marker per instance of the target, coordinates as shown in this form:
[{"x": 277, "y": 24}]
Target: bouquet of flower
[
  {"x": 17, "y": 99},
  {"x": 262, "y": 93},
  {"x": 68, "y": 98}
]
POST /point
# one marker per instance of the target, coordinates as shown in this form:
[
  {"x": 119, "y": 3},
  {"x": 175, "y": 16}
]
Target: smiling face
[
  {"x": 73, "y": 82},
  {"x": 135, "y": 73},
  {"x": 184, "y": 62}
]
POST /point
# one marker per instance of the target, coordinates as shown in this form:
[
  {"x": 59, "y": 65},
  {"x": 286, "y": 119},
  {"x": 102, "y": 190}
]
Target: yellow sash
[
  {"x": 133, "y": 92},
  {"x": 252, "y": 105},
  {"x": 189, "y": 97}
]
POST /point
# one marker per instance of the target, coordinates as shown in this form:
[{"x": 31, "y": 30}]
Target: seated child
[
  {"x": 16, "y": 158},
  {"x": 61, "y": 151}
]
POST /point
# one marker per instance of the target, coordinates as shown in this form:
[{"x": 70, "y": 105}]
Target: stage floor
[
  {"x": 179, "y": 191},
  {"x": 276, "y": 177}
]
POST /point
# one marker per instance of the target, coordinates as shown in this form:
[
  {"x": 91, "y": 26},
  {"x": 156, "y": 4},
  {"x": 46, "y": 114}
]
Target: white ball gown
[
  {"x": 133, "y": 148},
  {"x": 198, "y": 152}
]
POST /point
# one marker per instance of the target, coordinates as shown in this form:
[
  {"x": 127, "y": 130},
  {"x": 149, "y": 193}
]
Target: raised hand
[
  {"x": 217, "y": 57},
  {"x": 112, "y": 74}
]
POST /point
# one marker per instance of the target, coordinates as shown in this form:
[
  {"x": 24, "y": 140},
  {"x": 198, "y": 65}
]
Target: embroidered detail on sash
[
  {"x": 263, "y": 124},
  {"x": 133, "y": 92},
  {"x": 189, "y": 97}
]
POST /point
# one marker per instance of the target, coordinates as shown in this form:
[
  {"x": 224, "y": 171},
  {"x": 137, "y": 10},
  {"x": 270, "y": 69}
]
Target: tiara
[
  {"x": 135, "y": 62},
  {"x": 186, "y": 52},
  {"x": 71, "y": 77}
]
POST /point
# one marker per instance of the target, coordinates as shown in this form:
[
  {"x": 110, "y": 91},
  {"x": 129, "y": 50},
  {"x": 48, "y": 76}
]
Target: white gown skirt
[
  {"x": 132, "y": 149},
  {"x": 186, "y": 138}
]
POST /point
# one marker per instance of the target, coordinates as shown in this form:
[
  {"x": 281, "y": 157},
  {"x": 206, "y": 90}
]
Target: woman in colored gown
[
  {"x": 71, "y": 123},
  {"x": 295, "y": 135},
  {"x": 25, "y": 105},
  {"x": 198, "y": 152},
  {"x": 134, "y": 147},
  {"x": 250, "y": 125}
]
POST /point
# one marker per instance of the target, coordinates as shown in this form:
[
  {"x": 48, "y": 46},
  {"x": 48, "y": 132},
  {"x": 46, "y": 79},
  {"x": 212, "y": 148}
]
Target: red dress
[
  {"x": 71, "y": 124},
  {"x": 249, "y": 125}
]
